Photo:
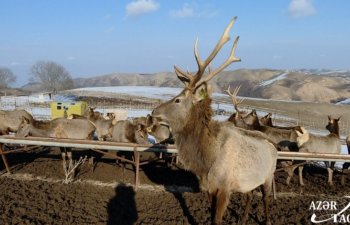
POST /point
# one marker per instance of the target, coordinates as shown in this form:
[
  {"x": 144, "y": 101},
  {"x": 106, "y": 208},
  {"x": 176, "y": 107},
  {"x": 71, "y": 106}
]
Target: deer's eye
[{"x": 177, "y": 100}]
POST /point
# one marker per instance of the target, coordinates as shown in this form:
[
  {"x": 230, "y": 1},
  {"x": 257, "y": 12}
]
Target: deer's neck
[
  {"x": 197, "y": 140},
  {"x": 37, "y": 132},
  {"x": 336, "y": 129}
]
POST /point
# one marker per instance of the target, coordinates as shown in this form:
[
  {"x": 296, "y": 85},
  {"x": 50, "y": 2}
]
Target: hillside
[{"x": 303, "y": 85}]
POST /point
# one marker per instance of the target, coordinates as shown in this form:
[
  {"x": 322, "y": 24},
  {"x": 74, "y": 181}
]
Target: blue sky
[{"x": 91, "y": 37}]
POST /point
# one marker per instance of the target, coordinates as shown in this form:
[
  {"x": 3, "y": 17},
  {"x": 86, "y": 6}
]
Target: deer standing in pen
[
  {"x": 224, "y": 158},
  {"x": 320, "y": 144},
  {"x": 284, "y": 138},
  {"x": 11, "y": 120}
]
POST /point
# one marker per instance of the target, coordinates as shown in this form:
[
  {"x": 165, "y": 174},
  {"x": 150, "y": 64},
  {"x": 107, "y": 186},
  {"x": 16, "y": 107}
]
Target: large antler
[
  {"x": 233, "y": 96},
  {"x": 193, "y": 81}
]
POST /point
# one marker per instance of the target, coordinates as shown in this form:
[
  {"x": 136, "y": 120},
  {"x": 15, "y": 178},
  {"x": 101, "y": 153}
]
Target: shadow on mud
[
  {"x": 19, "y": 160},
  {"x": 176, "y": 181},
  {"x": 122, "y": 207}
]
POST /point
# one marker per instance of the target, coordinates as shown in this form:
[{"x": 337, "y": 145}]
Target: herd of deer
[
  {"x": 84, "y": 127},
  {"x": 237, "y": 155}
]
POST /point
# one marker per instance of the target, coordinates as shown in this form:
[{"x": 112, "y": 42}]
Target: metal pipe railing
[{"x": 137, "y": 148}]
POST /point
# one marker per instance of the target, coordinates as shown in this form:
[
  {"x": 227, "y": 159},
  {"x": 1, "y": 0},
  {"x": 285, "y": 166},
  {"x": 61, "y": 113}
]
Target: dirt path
[{"x": 35, "y": 194}]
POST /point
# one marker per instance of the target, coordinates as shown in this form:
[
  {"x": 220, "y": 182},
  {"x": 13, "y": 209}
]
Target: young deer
[
  {"x": 321, "y": 144},
  {"x": 225, "y": 158}
]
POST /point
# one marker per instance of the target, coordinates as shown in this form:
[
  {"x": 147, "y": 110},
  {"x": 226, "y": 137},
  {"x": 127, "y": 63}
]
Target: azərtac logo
[{"x": 330, "y": 211}]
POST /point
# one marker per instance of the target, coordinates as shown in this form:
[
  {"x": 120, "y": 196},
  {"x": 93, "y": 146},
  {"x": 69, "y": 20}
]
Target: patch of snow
[
  {"x": 163, "y": 93},
  {"x": 278, "y": 77},
  {"x": 332, "y": 71},
  {"x": 344, "y": 102}
]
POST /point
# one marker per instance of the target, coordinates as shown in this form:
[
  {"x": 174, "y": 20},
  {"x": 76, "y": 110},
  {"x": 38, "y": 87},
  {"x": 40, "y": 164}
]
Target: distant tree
[
  {"x": 52, "y": 76},
  {"x": 6, "y": 77}
]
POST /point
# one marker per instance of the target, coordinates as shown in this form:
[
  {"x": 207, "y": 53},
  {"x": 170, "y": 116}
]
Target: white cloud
[
  {"x": 139, "y": 7},
  {"x": 301, "y": 8},
  {"x": 193, "y": 10},
  {"x": 185, "y": 12}
]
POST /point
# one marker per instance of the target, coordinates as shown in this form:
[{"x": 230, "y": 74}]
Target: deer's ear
[
  {"x": 182, "y": 76},
  {"x": 202, "y": 92},
  {"x": 25, "y": 120},
  {"x": 183, "y": 79}
]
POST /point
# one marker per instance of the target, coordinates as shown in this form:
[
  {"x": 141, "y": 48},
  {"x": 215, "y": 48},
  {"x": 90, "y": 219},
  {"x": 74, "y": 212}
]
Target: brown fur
[
  {"x": 202, "y": 142},
  {"x": 266, "y": 120},
  {"x": 284, "y": 138},
  {"x": 103, "y": 126},
  {"x": 161, "y": 132},
  {"x": 10, "y": 120},
  {"x": 93, "y": 115},
  {"x": 129, "y": 132},
  {"x": 199, "y": 124},
  {"x": 321, "y": 144},
  {"x": 57, "y": 128},
  {"x": 225, "y": 158}
]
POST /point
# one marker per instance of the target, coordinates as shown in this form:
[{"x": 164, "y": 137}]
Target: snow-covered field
[{"x": 163, "y": 93}]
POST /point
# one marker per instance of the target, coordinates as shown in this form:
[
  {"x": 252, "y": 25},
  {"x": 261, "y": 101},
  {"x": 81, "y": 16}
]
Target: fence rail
[{"x": 137, "y": 149}]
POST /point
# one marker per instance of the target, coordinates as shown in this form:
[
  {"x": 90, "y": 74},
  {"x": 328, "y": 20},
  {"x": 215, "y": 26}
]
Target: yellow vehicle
[{"x": 58, "y": 109}]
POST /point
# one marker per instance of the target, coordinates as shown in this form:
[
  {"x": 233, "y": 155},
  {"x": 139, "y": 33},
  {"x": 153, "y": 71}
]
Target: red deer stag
[
  {"x": 10, "y": 120},
  {"x": 320, "y": 144},
  {"x": 225, "y": 158}
]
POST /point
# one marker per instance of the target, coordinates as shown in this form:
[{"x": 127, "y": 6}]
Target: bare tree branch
[
  {"x": 52, "y": 76},
  {"x": 6, "y": 77}
]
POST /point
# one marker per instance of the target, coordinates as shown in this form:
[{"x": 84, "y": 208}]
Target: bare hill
[{"x": 303, "y": 85}]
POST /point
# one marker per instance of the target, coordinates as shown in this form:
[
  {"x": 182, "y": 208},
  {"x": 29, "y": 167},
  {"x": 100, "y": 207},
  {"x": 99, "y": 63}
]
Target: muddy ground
[{"x": 35, "y": 194}]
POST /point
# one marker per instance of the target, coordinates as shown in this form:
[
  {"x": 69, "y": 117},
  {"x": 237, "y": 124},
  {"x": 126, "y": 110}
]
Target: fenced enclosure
[{"x": 40, "y": 109}]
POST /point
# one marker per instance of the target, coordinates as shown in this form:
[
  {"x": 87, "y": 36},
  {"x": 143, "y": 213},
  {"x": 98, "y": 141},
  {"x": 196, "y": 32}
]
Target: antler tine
[
  {"x": 222, "y": 41},
  {"x": 235, "y": 92},
  {"x": 232, "y": 58},
  {"x": 193, "y": 81},
  {"x": 234, "y": 97}
]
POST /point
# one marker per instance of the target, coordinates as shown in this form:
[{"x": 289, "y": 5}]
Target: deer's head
[
  {"x": 333, "y": 125},
  {"x": 176, "y": 112},
  {"x": 24, "y": 128}
]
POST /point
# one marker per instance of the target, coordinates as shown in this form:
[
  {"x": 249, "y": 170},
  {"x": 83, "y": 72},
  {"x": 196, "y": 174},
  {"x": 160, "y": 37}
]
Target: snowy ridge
[{"x": 278, "y": 77}]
